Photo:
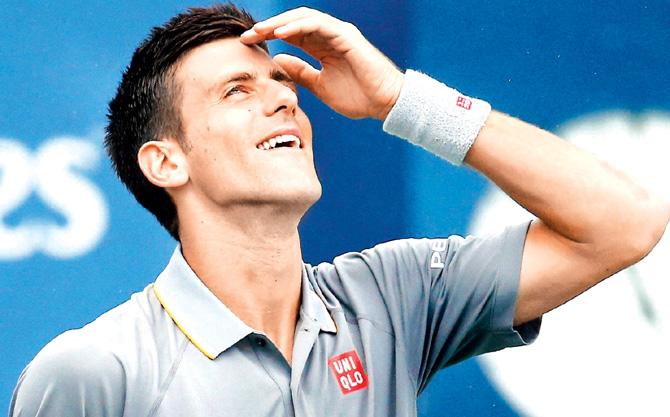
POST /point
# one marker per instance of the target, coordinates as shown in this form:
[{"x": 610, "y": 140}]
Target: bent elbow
[{"x": 651, "y": 220}]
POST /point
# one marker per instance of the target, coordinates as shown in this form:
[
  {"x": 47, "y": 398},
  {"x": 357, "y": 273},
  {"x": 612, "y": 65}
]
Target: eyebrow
[
  {"x": 244, "y": 76},
  {"x": 281, "y": 76},
  {"x": 237, "y": 77}
]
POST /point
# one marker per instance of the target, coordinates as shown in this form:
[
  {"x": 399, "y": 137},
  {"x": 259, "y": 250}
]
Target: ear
[{"x": 163, "y": 163}]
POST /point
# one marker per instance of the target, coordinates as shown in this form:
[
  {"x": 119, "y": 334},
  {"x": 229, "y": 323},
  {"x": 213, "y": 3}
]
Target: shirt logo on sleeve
[
  {"x": 348, "y": 372},
  {"x": 437, "y": 247}
]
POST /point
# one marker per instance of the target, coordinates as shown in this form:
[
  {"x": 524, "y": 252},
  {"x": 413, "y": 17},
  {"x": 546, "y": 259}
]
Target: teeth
[{"x": 273, "y": 142}]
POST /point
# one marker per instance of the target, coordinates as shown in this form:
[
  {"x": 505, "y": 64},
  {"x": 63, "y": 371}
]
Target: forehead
[{"x": 214, "y": 61}]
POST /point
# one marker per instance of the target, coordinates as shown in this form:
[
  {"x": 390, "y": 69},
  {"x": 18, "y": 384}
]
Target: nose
[{"x": 280, "y": 98}]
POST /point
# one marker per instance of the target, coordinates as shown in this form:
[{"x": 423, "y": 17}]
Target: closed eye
[{"x": 235, "y": 90}]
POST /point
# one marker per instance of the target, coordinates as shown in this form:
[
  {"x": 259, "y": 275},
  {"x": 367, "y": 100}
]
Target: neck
[{"x": 251, "y": 260}]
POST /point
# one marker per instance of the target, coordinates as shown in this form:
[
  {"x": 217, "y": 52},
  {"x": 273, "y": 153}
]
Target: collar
[
  {"x": 312, "y": 307},
  {"x": 206, "y": 321}
]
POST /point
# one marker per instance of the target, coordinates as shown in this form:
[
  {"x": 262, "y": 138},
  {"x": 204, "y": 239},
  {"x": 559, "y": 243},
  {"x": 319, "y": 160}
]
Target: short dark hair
[{"x": 146, "y": 105}]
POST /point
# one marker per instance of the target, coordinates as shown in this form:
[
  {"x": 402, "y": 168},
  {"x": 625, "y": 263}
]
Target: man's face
[{"x": 235, "y": 103}]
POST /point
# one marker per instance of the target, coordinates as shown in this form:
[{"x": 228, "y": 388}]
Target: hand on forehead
[{"x": 355, "y": 79}]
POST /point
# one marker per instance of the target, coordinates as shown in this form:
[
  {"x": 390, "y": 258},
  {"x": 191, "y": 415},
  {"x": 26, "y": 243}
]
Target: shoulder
[
  {"x": 101, "y": 362},
  {"x": 372, "y": 283},
  {"x": 98, "y": 350},
  {"x": 391, "y": 260},
  {"x": 428, "y": 257},
  {"x": 73, "y": 375},
  {"x": 74, "y": 359},
  {"x": 405, "y": 272}
]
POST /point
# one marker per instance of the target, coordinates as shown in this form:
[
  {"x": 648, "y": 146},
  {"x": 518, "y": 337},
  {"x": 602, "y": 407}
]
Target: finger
[
  {"x": 268, "y": 25},
  {"x": 295, "y": 22},
  {"x": 326, "y": 27},
  {"x": 312, "y": 24},
  {"x": 300, "y": 71},
  {"x": 264, "y": 30},
  {"x": 251, "y": 37}
]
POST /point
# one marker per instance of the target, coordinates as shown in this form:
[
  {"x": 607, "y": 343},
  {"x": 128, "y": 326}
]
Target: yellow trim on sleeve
[{"x": 167, "y": 310}]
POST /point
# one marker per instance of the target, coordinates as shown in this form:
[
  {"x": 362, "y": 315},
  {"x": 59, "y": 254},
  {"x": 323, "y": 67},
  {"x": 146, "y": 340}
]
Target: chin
[
  {"x": 305, "y": 197},
  {"x": 299, "y": 199}
]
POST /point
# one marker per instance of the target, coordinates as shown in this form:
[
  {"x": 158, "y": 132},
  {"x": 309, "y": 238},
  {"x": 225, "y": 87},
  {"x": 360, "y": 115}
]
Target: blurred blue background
[{"x": 60, "y": 62}]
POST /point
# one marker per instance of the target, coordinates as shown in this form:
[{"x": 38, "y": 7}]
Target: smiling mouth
[{"x": 280, "y": 141}]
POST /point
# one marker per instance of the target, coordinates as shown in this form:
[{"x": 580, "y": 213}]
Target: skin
[{"x": 239, "y": 207}]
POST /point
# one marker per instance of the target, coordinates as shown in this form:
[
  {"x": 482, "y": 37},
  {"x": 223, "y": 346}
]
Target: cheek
[
  {"x": 305, "y": 125},
  {"x": 227, "y": 131}
]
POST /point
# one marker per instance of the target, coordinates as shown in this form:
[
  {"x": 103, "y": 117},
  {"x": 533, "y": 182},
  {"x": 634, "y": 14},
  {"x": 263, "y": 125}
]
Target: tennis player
[{"x": 207, "y": 133}]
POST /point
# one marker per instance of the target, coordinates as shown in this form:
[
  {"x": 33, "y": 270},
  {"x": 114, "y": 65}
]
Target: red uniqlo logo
[
  {"x": 348, "y": 372},
  {"x": 464, "y": 102}
]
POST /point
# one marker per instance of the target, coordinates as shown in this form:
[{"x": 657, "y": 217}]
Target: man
[{"x": 207, "y": 133}]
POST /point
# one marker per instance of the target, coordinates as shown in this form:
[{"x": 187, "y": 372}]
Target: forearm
[
  {"x": 572, "y": 192},
  {"x": 592, "y": 217}
]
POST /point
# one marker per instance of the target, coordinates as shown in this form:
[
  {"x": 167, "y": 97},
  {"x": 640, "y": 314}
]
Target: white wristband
[{"x": 436, "y": 117}]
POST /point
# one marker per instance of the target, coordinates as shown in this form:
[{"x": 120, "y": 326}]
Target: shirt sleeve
[
  {"x": 68, "y": 379},
  {"x": 444, "y": 300}
]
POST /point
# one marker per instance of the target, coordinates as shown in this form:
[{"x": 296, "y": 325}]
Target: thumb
[{"x": 300, "y": 71}]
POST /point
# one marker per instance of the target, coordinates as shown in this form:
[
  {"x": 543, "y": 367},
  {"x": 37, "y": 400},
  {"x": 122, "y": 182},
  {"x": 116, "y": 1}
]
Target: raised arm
[{"x": 593, "y": 220}]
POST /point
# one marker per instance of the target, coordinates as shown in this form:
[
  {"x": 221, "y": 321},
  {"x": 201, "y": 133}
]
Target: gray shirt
[{"x": 374, "y": 328}]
